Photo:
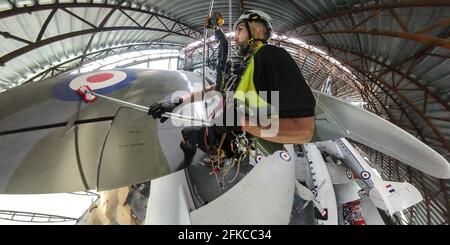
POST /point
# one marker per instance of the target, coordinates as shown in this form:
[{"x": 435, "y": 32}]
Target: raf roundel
[
  {"x": 98, "y": 80},
  {"x": 258, "y": 158},
  {"x": 285, "y": 156},
  {"x": 102, "y": 82},
  {"x": 365, "y": 175},
  {"x": 349, "y": 174}
]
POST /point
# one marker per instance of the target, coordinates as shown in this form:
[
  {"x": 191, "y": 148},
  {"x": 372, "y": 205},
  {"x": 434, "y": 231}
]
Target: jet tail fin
[{"x": 399, "y": 196}]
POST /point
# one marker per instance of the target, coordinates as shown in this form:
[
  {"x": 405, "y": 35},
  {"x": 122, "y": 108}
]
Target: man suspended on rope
[{"x": 264, "y": 68}]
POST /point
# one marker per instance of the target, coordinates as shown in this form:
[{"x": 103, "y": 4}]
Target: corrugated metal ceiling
[{"x": 399, "y": 50}]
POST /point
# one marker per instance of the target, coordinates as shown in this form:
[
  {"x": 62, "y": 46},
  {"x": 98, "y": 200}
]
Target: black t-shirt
[{"x": 276, "y": 70}]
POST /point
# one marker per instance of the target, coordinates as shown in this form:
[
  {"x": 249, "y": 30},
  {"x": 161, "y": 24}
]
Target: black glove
[{"x": 163, "y": 106}]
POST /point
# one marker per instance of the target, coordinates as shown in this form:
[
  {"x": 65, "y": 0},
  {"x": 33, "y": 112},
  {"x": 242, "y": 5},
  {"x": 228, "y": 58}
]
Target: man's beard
[{"x": 243, "y": 49}]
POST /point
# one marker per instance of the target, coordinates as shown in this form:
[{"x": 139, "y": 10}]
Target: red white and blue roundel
[
  {"x": 365, "y": 175},
  {"x": 285, "y": 156},
  {"x": 349, "y": 174},
  {"x": 101, "y": 82},
  {"x": 258, "y": 158},
  {"x": 362, "y": 193}
]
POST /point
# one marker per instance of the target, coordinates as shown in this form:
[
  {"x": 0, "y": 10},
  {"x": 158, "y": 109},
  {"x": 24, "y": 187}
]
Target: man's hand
[{"x": 163, "y": 106}]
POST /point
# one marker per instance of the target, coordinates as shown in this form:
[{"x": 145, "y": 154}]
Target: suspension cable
[
  {"x": 205, "y": 36},
  {"x": 230, "y": 31}
]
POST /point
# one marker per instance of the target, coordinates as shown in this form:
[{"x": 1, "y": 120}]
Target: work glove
[{"x": 163, "y": 106}]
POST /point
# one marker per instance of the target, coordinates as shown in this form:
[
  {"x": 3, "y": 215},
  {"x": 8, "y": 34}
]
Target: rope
[{"x": 237, "y": 170}]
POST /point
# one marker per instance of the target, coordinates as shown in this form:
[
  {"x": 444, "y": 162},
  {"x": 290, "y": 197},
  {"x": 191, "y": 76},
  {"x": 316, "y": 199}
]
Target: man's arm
[
  {"x": 159, "y": 108},
  {"x": 296, "y": 123},
  {"x": 290, "y": 130}
]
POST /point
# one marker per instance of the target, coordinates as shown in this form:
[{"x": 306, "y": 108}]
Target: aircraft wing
[
  {"x": 400, "y": 196},
  {"x": 370, "y": 213},
  {"x": 339, "y": 174},
  {"x": 347, "y": 192},
  {"x": 336, "y": 118},
  {"x": 51, "y": 141},
  {"x": 323, "y": 186},
  {"x": 263, "y": 197}
]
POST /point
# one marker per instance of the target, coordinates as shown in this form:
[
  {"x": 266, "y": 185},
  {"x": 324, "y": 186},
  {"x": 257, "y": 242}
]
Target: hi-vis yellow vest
[{"x": 246, "y": 92}]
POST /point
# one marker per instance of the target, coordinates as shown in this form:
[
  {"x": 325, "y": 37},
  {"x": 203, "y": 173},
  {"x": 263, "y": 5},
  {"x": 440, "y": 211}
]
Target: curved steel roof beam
[
  {"x": 391, "y": 117},
  {"x": 367, "y": 94},
  {"x": 423, "y": 52},
  {"x": 9, "y": 56},
  {"x": 439, "y": 136},
  {"x": 184, "y": 30},
  {"x": 21, "y": 216},
  {"x": 98, "y": 55},
  {"x": 147, "y": 60},
  {"x": 37, "y": 7},
  {"x": 372, "y": 7},
  {"x": 425, "y": 39},
  {"x": 9, "y": 35},
  {"x": 380, "y": 82},
  {"x": 383, "y": 104},
  {"x": 391, "y": 68},
  {"x": 297, "y": 6},
  {"x": 318, "y": 55}
]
